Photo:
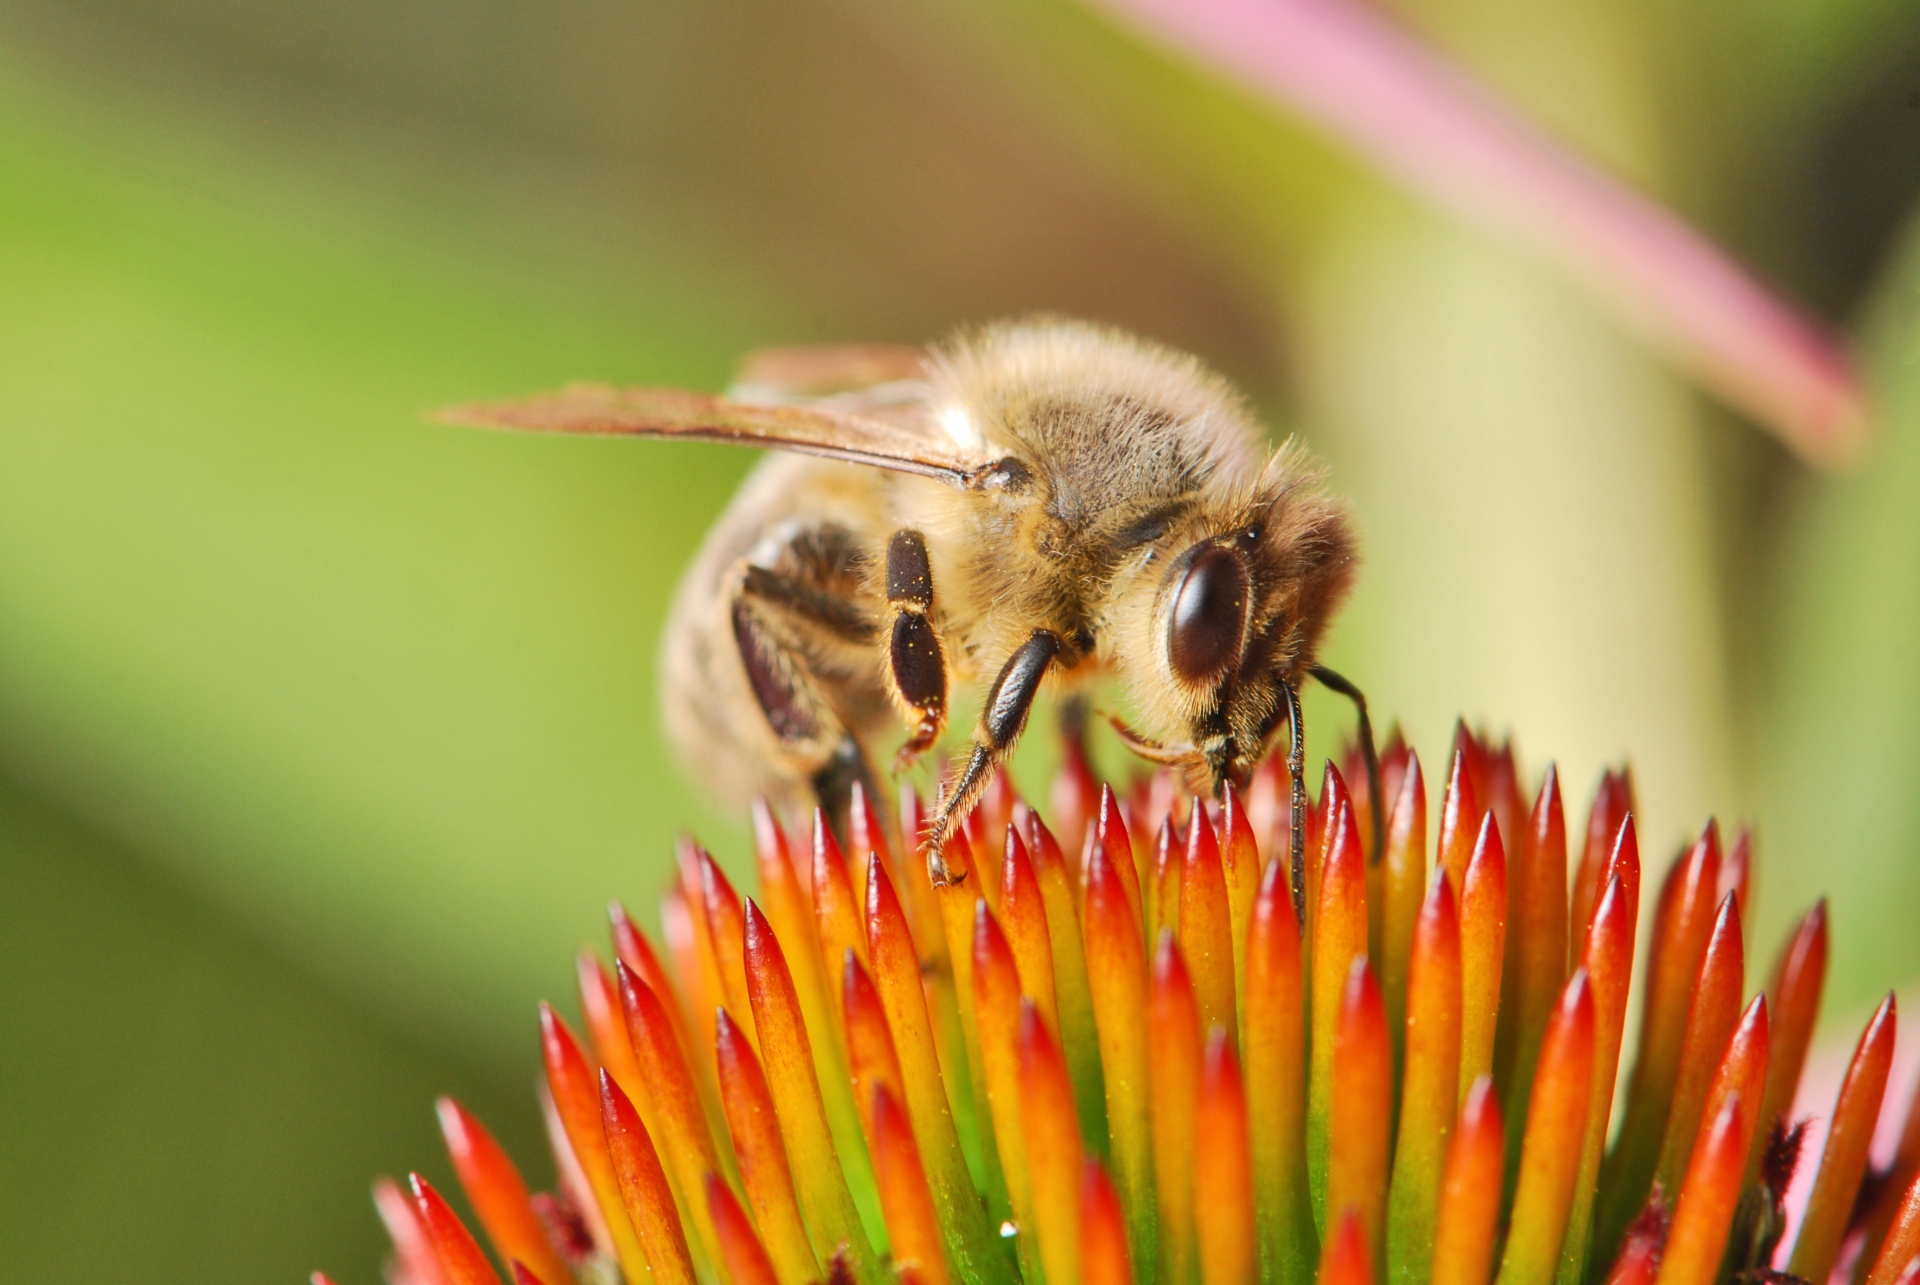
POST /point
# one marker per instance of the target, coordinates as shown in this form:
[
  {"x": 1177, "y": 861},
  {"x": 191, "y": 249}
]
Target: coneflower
[{"x": 1113, "y": 1053}]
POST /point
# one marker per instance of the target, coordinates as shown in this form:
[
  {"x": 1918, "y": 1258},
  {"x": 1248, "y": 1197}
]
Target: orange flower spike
[
  {"x": 1536, "y": 955},
  {"x": 1470, "y": 1192},
  {"x": 1205, "y": 928},
  {"x": 1430, "y": 1092},
  {"x": 1793, "y": 997},
  {"x": 1117, "y": 979},
  {"x": 606, "y": 1024},
  {"x": 869, "y": 1044},
  {"x": 682, "y": 1123},
  {"x": 1073, "y": 798},
  {"x": 459, "y": 1253},
  {"x": 996, "y": 980},
  {"x": 1267, "y": 801},
  {"x": 1736, "y": 872},
  {"x": 1104, "y": 1257},
  {"x": 1710, "y": 1024},
  {"x": 1114, "y": 842},
  {"x": 523, "y": 1275},
  {"x": 1168, "y": 866},
  {"x": 995, "y": 811},
  {"x": 1276, "y": 1057},
  {"x": 1550, "y": 1152},
  {"x": 726, "y": 928},
  {"x": 1173, "y": 1026},
  {"x": 1051, "y": 1126},
  {"x": 1742, "y": 1072},
  {"x": 1362, "y": 1106},
  {"x": 1460, "y": 816},
  {"x": 1023, "y": 914},
  {"x": 1223, "y": 1170},
  {"x": 819, "y": 1178},
  {"x": 956, "y": 901},
  {"x": 838, "y": 919},
  {"x": 786, "y": 889},
  {"x": 1507, "y": 801},
  {"x": 497, "y": 1193},
  {"x": 896, "y": 975},
  {"x": 1404, "y": 890},
  {"x": 1609, "y": 965},
  {"x": 1683, "y": 924},
  {"x": 1876, "y": 1214},
  {"x": 1346, "y": 1259},
  {"x": 1682, "y": 927},
  {"x": 1844, "y": 1161},
  {"x": 1072, "y": 989},
  {"x": 1612, "y": 803},
  {"x": 1704, "y": 1213},
  {"x": 1902, "y": 1244},
  {"x": 868, "y": 832},
  {"x": 746, "y": 1259},
  {"x": 692, "y": 940},
  {"x": 697, "y": 988},
  {"x": 1321, "y": 832},
  {"x": 576, "y": 1098},
  {"x": 413, "y": 1250},
  {"x": 1483, "y": 944},
  {"x": 631, "y": 948},
  {"x": 644, "y": 1188},
  {"x": 787, "y": 903},
  {"x": 1240, "y": 864},
  {"x": 903, "y": 1191},
  {"x": 1339, "y": 937},
  {"x": 763, "y": 1157}
]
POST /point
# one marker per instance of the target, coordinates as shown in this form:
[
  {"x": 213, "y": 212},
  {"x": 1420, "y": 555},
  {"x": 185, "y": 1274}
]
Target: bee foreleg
[
  {"x": 1376, "y": 805},
  {"x": 1001, "y": 720}
]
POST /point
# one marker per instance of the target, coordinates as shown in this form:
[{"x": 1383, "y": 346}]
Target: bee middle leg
[{"x": 1001, "y": 720}]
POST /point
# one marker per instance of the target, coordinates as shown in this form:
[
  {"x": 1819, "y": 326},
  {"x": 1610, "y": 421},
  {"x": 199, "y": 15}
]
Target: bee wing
[
  {"x": 837, "y": 433},
  {"x": 822, "y": 370}
]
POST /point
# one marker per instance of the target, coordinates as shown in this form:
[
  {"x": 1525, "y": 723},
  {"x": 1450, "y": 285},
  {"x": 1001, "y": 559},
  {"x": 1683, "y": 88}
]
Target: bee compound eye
[{"x": 1209, "y": 625}]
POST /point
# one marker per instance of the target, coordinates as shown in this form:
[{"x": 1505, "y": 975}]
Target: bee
[{"x": 1038, "y": 501}]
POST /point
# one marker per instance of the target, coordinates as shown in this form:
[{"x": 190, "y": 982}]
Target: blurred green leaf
[{"x": 1840, "y": 754}]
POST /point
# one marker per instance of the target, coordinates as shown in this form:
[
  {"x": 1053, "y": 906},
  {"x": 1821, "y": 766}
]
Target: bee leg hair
[
  {"x": 1376, "y": 805},
  {"x": 1001, "y": 720},
  {"x": 1296, "y": 802},
  {"x": 917, "y": 667}
]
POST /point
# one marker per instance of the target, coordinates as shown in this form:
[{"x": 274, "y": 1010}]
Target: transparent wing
[
  {"x": 830, "y": 431},
  {"x": 824, "y": 370}
]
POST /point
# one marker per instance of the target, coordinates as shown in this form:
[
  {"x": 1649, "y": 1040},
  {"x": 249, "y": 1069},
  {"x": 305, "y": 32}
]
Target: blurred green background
[{"x": 326, "y": 733}]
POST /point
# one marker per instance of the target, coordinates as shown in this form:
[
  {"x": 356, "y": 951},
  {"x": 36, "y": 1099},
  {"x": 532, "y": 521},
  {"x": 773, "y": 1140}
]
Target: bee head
[{"x": 1238, "y": 615}]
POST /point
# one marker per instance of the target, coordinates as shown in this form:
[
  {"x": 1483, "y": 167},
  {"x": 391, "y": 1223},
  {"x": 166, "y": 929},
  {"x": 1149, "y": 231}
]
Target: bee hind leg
[
  {"x": 782, "y": 628},
  {"x": 1001, "y": 720}
]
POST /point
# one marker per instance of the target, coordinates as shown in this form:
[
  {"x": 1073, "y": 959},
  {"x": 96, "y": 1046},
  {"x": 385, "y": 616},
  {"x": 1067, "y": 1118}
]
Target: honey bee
[{"x": 1036, "y": 501}]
